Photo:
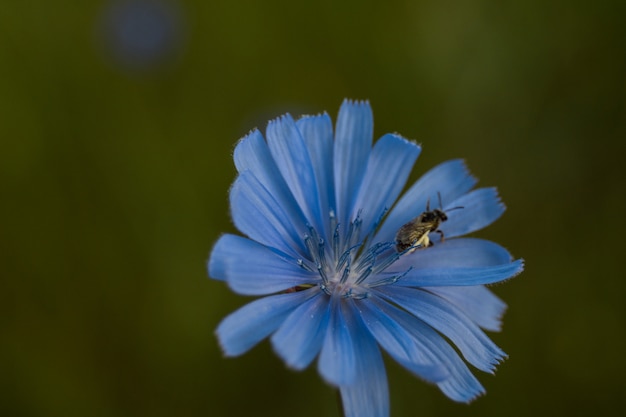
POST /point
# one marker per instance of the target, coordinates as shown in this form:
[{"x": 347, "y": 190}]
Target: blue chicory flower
[{"x": 321, "y": 212}]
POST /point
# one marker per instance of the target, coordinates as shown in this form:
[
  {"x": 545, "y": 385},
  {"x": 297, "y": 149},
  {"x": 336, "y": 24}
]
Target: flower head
[{"x": 321, "y": 213}]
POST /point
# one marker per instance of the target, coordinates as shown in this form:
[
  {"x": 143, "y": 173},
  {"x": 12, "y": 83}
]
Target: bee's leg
[{"x": 441, "y": 233}]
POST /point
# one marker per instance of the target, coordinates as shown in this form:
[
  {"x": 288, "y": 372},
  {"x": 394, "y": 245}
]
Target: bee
[{"x": 414, "y": 234}]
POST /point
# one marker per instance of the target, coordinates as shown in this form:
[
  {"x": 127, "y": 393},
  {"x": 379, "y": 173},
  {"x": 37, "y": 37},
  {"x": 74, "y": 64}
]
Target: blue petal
[
  {"x": 461, "y": 385},
  {"x": 261, "y": 217},
  {"x": 353, "y": 142},
  {"x": 317, "y": 132},
  {"x": 399, "y": 343},
  {"x": 252, "y": 154},
  {"x": 444, "y": 317},
  {"x": 243, "y": 329},
  {"x": 460, "y": 252},
  {"x": 253, "y": 269},
  {"x": 388, "y": 168},
  {"x": 450, "y": 179},
  {"x": 337, "y": 363},
  {"x": 435, "y": 277},
  {"x": 478, "y": 303},
  {"x": 292, "y": 158},
  {"x": 368, "y": 396},
  {"x": 300, "y": 337},
  {"x": 481, "y": 207}
]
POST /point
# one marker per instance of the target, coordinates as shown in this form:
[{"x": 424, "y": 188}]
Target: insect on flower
[{"x": 414, "y": 234}]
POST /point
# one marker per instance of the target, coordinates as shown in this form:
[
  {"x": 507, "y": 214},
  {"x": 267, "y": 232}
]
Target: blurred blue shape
[{"x": 142, "y": 35}]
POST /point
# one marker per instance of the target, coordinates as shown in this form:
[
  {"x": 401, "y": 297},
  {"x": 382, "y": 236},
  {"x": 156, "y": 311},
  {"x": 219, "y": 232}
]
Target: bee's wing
[{"x": 411, "y": 231}]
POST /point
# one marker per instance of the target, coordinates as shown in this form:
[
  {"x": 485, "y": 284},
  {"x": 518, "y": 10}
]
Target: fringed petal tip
[
  {"x": 408, "y": 141},
  {"x": 519, "y": 268},
  {"x": 355, "y": 102},
  {"x": 498, "y": 199},
  {"x": 283, "y": 118},
  {"x": 462, "y": 164},
  {"x": 473, "y": 397},
  {"x": 254, "y": 133},
  {"x": 323, "y": 114}
]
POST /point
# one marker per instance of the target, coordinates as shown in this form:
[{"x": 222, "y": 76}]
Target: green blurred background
[{"x": 118, "y": 120}]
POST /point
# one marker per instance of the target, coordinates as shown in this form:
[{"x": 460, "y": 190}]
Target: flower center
[{"x": 349, "y": 266}]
